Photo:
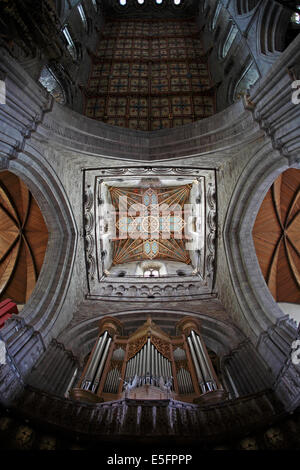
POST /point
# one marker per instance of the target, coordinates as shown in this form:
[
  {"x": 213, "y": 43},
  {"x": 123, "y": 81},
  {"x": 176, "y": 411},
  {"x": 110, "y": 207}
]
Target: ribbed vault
[
  {"x": 23, "y": 239},
  {"x": 276, "y": 235}
]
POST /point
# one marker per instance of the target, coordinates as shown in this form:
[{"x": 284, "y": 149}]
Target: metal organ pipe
[
  {"x": 115, "y": 381},
  {"x": 152, "y": 372},
  {"x": 165, "y": 367},
  {"x": 89, "y": 375},
  {"x": 184, "y": 380},
  {"x": 128, "y": 368},
  {"x": 140, "y": 359},
  {"x": 98, "y": 355},
  {"x": 139, "y": 363},
  {"x": 144, "y": 361},
  {"x": 101, "y": 366},
  {"x": 198, "y": 371},
  {"x": 204, "y": 370},
  {"x": 169, "y": 369},
  {"x": 148, "y": 364},
  {"x": 133, "y": 366},
  {"x": 208, "y": 374}
]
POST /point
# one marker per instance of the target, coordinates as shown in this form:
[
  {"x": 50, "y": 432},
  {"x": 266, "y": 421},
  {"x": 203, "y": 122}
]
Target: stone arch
[
  {"x": 272, "y": 26},
  {"x": 258, "y": 308},
  {"x": 220, "y": 336},
  {"x": 243, "y": 7},
  {"x": 46, "y": 301}
]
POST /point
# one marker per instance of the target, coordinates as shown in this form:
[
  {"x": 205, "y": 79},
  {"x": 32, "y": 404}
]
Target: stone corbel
[{"x": 248, "y": 104}]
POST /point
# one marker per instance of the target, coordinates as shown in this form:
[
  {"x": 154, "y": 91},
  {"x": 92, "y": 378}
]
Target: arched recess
[
  {"x": 245, "y": 6},
  {"x": 258, "y": 310},
  {"x": 23, "y": 240},
  {"x": 276, "y": 235},
  {"x": 45, "y": 303},
  {"x": 272, "y": 26},
  {"x": 221, "y": 337}
]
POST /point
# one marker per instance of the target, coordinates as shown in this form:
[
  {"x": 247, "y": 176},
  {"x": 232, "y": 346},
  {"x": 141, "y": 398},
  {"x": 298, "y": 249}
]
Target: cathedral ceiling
[
  {"x": 136, "y": 217},
  {"x": 276, "y": 237},
  {"x": 152, "y": 225},
  {"x": 149, "y": 74}
]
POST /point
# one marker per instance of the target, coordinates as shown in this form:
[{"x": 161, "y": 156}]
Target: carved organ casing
[{"x": 149, "y": 364}]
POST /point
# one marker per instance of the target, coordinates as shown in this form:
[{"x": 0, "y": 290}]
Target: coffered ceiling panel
[{"x": 149, "y": 74}]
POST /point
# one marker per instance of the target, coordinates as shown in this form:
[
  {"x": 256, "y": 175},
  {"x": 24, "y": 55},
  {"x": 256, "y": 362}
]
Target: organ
[{"x": 149, "y": 364}]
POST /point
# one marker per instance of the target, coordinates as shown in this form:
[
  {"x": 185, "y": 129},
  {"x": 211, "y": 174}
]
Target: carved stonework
[{"x": 102, "y": 285}]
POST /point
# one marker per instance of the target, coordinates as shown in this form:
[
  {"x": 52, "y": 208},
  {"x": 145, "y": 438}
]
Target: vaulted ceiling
[
  {"x": 276, "y": 235},
  {"x": 151, "y": 224},
  {"x": 23, "y": 239},
  {"x": 149, "y": 74}
]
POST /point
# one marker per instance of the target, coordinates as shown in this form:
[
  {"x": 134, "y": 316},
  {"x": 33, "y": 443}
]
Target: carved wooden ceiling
[
  {"x": 276, "y": 235},
  {"x": 23, "y": 239},
  {"x": 150, "y": 224},
  {"x": 149, "y": 75}
]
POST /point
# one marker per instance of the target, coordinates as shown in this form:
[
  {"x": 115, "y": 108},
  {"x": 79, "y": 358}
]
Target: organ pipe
[
  {"x": 66, "y": 394},
  {"x": 205, "y": 371},
  {"x": 196, "y": 364},
  {"x": 101, "y": 365},
  {"x": 148, "y": 364},
  {"x": 89, "y": 375},
  {"x": 184, "y": 381},
  {"x": 148, "y": 357},
  {"x": 133, "y": 366},
  {"x": 152, "y": 372},
  {"x": 209, "y": 372}
]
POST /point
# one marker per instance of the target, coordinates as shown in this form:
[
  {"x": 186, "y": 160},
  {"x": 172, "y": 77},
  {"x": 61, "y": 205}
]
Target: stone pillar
[{"x": 54, "y": 370}]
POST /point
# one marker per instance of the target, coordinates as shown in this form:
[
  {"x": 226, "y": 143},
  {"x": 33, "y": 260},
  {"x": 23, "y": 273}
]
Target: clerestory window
[
  {"x": 82, "y": 16},
  {"x": 70, "y": 44}
]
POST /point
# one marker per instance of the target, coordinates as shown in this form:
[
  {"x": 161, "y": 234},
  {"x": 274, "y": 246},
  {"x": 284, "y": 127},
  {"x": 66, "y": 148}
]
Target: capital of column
[
  {"x": 112, "y": 325},
  {"x": 187, "y": 324}
]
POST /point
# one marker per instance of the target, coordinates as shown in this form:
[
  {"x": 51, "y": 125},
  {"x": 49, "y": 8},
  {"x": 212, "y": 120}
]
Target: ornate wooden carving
[
  {"x": 135, "y": 346},
  {"x": 162, "y": 346}
]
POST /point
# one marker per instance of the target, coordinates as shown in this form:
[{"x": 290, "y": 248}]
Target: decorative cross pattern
[{"x": 149, "y": 223}]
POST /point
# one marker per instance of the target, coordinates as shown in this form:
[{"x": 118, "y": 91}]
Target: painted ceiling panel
[
  {"x": 149, "y": 75},
  {"x": 150, "y": 225}
]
